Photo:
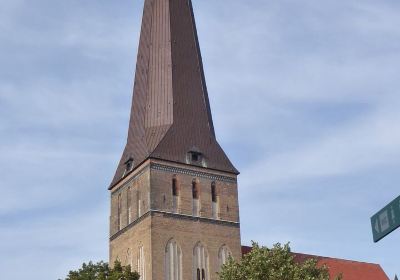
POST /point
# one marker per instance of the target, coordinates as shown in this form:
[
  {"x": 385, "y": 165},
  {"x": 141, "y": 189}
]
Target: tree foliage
[
  {"x": 276, "y": 263},
  {"x": 101, "y": 271}
]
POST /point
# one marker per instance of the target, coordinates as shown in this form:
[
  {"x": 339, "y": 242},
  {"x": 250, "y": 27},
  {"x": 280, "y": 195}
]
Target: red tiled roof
[
  {"x": 246, "y": 250},
  {"x": 351, "y": 270}
]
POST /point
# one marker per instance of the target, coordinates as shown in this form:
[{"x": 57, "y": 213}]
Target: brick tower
[{"x": 174, "y": 198}]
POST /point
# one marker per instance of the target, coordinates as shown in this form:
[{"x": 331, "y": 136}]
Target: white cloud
[
  {"x": 51, "y": 246},
  {"x": 363, "y": 144}
]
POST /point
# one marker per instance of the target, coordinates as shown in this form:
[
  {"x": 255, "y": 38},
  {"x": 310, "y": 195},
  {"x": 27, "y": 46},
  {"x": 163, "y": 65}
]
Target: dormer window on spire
[
  {"x": 195, "y": 156},
  {"x": 128, "y": 166}
]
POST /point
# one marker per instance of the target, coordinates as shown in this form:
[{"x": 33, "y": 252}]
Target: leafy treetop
[
  {"x": 276, "y": 263},
  {"x": 101, "y": 271}
]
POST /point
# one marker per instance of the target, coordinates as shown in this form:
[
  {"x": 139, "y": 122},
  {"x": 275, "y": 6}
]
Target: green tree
[
  {"x": 101, "y": 271},
  {"x": 276, "y": 263}
]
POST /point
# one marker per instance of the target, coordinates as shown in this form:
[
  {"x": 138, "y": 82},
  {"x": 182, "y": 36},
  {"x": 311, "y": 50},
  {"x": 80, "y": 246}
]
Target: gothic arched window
[
  {"x": 173, "y": 261},
  {"x": 141, "y": 264},
  {"x": 223, "y": 255},
  {"x": 175, "y": 195},
  {"x": 200, "y": 263},
  {"x": 196, "y": 198},
  {"x": 128, "y": 260}
]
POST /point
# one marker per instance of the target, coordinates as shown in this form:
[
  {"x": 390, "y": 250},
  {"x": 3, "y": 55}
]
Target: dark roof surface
[
  {"x": 351, "y": 270},
  {"x": 171, "y": 113}
]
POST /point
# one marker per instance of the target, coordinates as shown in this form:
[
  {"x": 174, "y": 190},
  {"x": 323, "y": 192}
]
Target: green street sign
[{"x": 386, "y": 220}]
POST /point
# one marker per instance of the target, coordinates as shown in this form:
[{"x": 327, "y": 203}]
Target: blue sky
[{"x": 305, "y": 98}]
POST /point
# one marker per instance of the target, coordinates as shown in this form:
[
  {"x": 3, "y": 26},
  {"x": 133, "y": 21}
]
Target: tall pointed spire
[{"x": 171, "y": 115}]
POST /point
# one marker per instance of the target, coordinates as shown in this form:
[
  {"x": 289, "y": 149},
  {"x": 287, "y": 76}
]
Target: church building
[{"x": 174, "y": 196}]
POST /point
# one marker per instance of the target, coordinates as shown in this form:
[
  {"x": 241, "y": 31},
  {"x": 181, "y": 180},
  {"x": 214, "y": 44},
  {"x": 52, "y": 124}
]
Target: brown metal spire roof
[{"x": 171, "y": 114}]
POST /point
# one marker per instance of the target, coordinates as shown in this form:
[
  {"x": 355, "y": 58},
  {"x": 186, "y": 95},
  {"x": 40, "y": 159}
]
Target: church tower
[{"x": 174, "y": 196}]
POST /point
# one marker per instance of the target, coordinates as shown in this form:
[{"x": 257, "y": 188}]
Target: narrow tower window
[
  {"x": 129, "y": 204},
  {"x": 173, "y": 261},
  {"x": 119, "y": 212},
  {"x": 175, "y": 195},
  {"x": 196, "y": 198},
  {"x": 139, "y": 204},
  {"x": 195, "y": 190},
  {"x": 214, "y": 201}
]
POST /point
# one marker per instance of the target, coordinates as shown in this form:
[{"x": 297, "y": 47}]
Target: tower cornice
[{"x": 174, "y": 168}]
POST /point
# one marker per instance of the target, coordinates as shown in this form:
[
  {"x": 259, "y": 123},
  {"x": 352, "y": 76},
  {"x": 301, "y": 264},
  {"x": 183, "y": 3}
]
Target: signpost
[{"x": 386, "y": 220}]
